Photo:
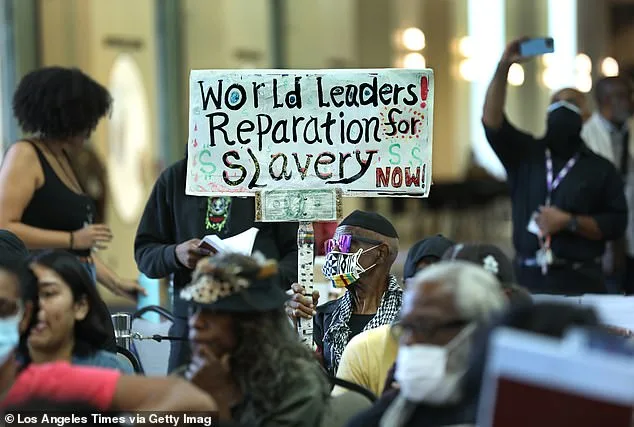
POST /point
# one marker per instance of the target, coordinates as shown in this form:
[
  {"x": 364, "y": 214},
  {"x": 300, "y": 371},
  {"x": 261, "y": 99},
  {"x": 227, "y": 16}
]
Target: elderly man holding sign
[
  {"x": 299, "y": 140},
  {"x": 359, "y": 258}
]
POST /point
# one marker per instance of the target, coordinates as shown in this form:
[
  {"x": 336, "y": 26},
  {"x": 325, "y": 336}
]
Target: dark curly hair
[
  {"x": 60, "y": 103},
  {"x": 270, "y": 360}
]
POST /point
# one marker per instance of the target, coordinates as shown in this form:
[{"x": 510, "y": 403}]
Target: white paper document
[{"x": 241, "y": 243}]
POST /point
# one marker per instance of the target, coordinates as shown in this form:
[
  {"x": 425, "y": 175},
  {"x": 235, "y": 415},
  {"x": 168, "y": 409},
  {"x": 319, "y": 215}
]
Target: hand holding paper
[
  {"x": 190, "y": 252},
  {"x": 241, "y": 243}
]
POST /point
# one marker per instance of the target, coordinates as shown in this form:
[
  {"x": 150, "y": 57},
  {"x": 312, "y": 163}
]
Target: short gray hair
[{"x": 478, "y": 293}]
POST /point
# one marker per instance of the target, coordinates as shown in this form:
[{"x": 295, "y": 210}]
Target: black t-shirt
[
  {"x": 592, "y": 187},
  {"x": 358, "y": 322},
  {"x": 322, "y": 321}
]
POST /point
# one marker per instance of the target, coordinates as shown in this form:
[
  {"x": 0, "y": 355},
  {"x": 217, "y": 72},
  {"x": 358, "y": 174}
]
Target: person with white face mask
[
  {"x": 358, "y": 258},
  {"x": 442, "y": 307}
]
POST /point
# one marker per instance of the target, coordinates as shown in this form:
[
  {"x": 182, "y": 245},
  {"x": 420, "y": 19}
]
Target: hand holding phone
[{"x": 537, "y": 46}]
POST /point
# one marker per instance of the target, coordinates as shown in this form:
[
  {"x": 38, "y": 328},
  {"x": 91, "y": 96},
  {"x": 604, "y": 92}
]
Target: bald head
[{"x": 574, "y": 97}]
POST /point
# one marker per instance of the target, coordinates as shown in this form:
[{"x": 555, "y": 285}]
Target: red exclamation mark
[
  {"x": 424, "y": 91},
  {"x": 195, "y": 127},
  {"x": 195, "y": 143}
]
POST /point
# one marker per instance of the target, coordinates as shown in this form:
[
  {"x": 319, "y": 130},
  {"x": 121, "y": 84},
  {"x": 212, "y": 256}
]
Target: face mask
[
  {"x": 564, "y": 129},
  {"x": 343, "y": 269},
  {"x": 425, "y": 372},
  {"x": 9, "y": 335}
]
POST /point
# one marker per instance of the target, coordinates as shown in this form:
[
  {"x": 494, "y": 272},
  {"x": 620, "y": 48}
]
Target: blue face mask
[{"x": 9, "y": 335}]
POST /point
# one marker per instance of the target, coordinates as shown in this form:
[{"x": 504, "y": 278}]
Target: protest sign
[{"x": 363, "y": 132}]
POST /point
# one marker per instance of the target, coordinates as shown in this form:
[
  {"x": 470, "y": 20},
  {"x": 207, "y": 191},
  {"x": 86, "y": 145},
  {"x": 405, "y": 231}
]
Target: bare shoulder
[
  {"x": 22, "y": 158},
  {"x": 21, "y": 152}
]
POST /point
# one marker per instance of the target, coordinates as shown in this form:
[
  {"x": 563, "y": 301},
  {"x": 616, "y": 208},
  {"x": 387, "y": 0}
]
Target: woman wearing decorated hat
[{"x": 245, "y": 351}]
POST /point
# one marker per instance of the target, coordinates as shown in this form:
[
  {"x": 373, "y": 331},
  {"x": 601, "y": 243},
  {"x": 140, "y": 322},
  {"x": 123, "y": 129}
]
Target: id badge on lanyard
[{"x": 544, "y": 255}]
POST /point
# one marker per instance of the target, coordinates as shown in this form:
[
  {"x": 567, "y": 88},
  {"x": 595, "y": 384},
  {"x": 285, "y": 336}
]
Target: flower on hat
[
  {"x": 490, "y": 264},
  {"x": 207, "y": 289},
  {"x": 223, "y": 275}
]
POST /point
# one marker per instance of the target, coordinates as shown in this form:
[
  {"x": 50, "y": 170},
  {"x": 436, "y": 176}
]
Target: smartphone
[{"x": 539, "y": 46}]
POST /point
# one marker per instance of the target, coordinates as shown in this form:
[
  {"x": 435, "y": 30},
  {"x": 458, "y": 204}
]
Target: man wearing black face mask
[{"x": 567, "y": 201}]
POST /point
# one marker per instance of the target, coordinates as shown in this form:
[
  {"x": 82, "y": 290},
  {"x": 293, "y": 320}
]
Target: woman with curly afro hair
[{"x": 41, "y": 199}]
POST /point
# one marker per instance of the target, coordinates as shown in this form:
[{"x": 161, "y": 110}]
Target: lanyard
[{"x": 551, "y": 185}]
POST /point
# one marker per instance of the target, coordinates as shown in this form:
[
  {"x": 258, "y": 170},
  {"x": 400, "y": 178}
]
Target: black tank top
[{"x": 54, "y": 206}]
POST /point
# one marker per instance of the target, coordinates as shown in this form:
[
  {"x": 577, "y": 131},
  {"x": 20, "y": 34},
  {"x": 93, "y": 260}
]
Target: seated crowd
[{"x": 406, "y": 349}]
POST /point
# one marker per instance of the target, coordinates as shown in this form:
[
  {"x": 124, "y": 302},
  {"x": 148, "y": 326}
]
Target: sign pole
[
  {"x": 304, "y": 207},
  {"x": 305, "y": 265}
]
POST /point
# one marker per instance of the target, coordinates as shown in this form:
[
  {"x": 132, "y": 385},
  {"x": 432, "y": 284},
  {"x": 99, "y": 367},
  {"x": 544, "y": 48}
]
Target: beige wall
[
  {"x": 223, "y": 34},
  {"x": 321, "y": 34},
  {"x": 623, "y": 46},
  {"x": 74, "y": 33},
  {"x": 226, "y": 34}
]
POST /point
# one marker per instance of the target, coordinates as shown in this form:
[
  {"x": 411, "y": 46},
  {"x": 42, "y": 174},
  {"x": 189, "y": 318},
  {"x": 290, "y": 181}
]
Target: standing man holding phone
[
  {"x": 170, "y": 232},
  {"x": 566, "y": 200}
]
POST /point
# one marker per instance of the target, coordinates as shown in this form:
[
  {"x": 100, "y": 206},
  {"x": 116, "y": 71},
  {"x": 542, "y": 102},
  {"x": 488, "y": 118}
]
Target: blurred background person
[
  {"x": 245, "y": 352},
  {"x": 41, "y": 199},
  {"x": 71, "y": 323},
  {"x": 609, "y": 134},
  {"x": 425, "y": 253},
  {"x": 567, "y": 201},
  {"x": 442, "y": 307},
  {"x": 492, "y": 259}
]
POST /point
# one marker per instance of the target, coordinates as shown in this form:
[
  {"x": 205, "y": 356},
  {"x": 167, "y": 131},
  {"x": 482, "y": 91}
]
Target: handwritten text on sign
[{"x": 367, "y": 132}]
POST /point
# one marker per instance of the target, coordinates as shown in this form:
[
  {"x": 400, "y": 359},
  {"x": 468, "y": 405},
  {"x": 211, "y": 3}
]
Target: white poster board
[
  {"x": 568, "y": 366},
  {"x": 613, "y": 310},
  {"x": 364, "y": 132}
]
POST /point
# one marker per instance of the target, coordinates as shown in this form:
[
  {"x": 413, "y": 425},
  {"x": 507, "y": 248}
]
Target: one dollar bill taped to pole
[
  {"x": 298, "y": 206},
  {"x": 299, "y": 140},
  {"x": 303, "y": 206}
]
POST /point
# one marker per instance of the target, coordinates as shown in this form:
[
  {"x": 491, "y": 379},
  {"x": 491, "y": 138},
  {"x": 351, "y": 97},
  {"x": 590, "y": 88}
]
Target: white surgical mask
[
  {"x": 422, "y": 370},
  {"x": 9, "y": 335}
]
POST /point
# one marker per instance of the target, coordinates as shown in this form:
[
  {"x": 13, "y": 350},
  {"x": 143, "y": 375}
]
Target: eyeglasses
[
  {"x": 343, "y": 242},
  {"x": 426, "y": 329}
]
